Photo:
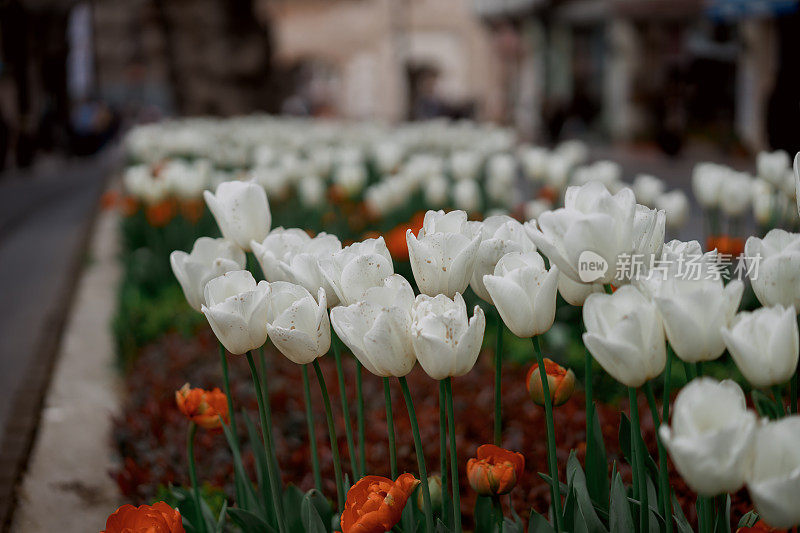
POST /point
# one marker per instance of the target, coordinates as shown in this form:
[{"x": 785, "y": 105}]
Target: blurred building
[
  {"x": 387, "y": 59},
  {"x": 653, "y": 70}
]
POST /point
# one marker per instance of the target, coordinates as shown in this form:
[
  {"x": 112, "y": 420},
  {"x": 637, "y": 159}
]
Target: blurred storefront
[
  {"x": 386, "y": 59},
  {"x": 652, "y": 70}
]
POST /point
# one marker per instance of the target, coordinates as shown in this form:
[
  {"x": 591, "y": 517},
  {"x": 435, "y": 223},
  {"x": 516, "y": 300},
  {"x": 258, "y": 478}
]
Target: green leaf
[
  {"x": 563, "y": 488},
  {"x": 322, "y": 505},
  {"x": 248, "y": 521},
  {"x": 440, "y": 527},
  {"x": 510, "y": 526},
  {"x": 292, "y": 501},
  {"x": 539, "y": 524},
  {"x": 764, "y": 405},
  {"x": 597, "y": 465},
  {"x": 311, "y": 521},
  {"x": 568, "y": 521},
  {"x": 219, "y": 528},
  {"x": 723, "y": 521},
  {"x": 680, "y": 519},
  {"x": 749, "y": 519},
  {"x": 620, "y": 518},
  {"x": 577, "y": 480}
]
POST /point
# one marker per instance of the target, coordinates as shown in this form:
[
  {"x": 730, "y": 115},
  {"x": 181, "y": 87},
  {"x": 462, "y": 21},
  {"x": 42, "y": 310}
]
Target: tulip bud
[
  {"x": 560, "y": 380},
  {"x": 495, "y": 471},
  {"x": 435, "y": 488}
]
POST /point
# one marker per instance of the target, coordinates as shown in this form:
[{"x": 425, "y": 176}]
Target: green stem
[
  {"x": 498, "y": 512},
  {"x": 201, "y": 525},
  {"x": 265, "y": 434},
  {"x": 362, "y": 455},
  {"x": 778, "y": 397},
  {"x": 443, "y": 447},
  {"x": 555, "y": 488},
  {"x": 451, "y": 430},
  {"x": 793, "y": 394},
  {"x": 268, "y": 412},
  {"x": 337, "y": 466},
  {"x": 708, "y": 522},
  {"x": 312, "y": 434},
  {"x": 240, "y": 499},
  {"x": 423, "y": 474},
  {"x": 699, "y": 369},
  {"x": 387, "y": 397},
  {"x": 636, "y": 431},
  {"x": 691, "y": 371},
  {"x": 498, "y": 390},
  {"x": 663, "y": 472},
  {"x": 348, "y": 428}
]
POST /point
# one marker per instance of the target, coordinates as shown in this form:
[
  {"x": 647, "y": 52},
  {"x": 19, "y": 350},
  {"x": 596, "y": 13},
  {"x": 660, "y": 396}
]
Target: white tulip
[
  {"x": 388, "y": 156},
  {"x": 678, "y": 259},
  {"x": 241, "y": 210},
  {"x": 443, "y": 255},
  {"x": 764, "y": 344},
  {"x": 464, "y": 165},
  {"x": 695, "y": 310},
  {"x": 187, "y": 180},
  {"x": 446, "y": 343},
  {"x": 311, "y": 190},
  {"x": 576, "y": 292},
  {"x": 676, "y": 206},
  {"x": 736, "y": 194},
  {"x": 534, "y": 163},
  {"x": 558, "y": 171},
  {"x": 574, "y": 151},
  {"x": 378, "y": 329},
  {"x": 499, "y": 235},
  {"x": 772, "y": 166},
  {"x": 711, "y": 436},
  {"x": 774, "y": 478},
  {"x": 625, "y": 335},
  {"x": 356, "y": 268},
  {"x": 774, "y": 267},
  {"x": 763, "y": 201},
  {"x": 304, "y": 267},
  {"x": 275, "y": 181},
  {"x": 592, "y": 222},
  {"x": 297, "y": 324},
  {"x": 436, "y": 191},
  {"x": 500, "y": 189},
  {"x": 524, "y": 292},
  {"x": 535, "y": 208},
  {"x": 236, "y": 309},
  {"x": 467, "y": 196},
  {"x": 140, "y": 182},
  {"x": 208, "y": 259},
  {"x": 275, "y": 253},
  {"x": 649, "y": 227},
  {"x": 647, "y": 189},
  {"x": 707, "y": 179},
  {"x": 351, "y": 178},
  {"x": 501, "y": 168},
  {"x": 605, "y": 172}
]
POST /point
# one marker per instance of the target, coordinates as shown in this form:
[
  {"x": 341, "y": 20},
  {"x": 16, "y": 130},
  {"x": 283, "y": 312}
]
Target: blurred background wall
[{"x": 661, "y": 73}]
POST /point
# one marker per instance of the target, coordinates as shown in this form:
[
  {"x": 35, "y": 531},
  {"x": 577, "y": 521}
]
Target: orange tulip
[
  {"x": 156, "y": 518},
  {"x": 192, "y": 210},
  {"x": 203, "y": 407},
  {"x": 727, "y": 245},
  {"x": 160, "y": 214},
  {"x": 375, "y": 504},
  {"x": 760, "y": 527},
  {"x": 560, "y": 381},
  {"x": 495, "y": 471}
]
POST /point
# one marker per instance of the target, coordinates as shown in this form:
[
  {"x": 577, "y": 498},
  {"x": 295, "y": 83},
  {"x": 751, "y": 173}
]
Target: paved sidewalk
[{"x": 67, "y": 487}]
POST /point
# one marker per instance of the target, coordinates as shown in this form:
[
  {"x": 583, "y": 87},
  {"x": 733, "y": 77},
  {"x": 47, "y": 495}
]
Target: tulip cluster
[{"x": 319, "y": 296}]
